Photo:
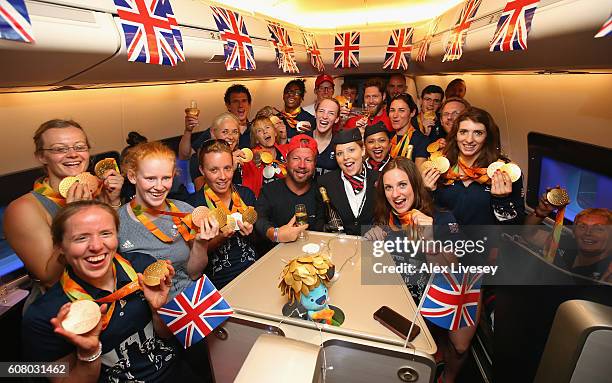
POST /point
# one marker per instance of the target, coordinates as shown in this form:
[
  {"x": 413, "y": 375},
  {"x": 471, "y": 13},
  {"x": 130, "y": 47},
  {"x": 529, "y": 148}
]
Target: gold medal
[
  {"x": 430, "y": 115},
  {"x": 219, "y": 215},
  {"x": 90, "y": 180},
  {"x": 433, "y": 147},
  {"x": 558, "y": 197},
  {"x": 436, "y": 154},
  {"x": 83, "y": 317},
  {"x": 513, "y": 171},
  {"x": 266, "y": 157},
  {"x": 442, "y": 164},
  {"x": 248, "y": 154},
  {"x": 198, "y": 214},
  {"x": 105, "y": 165},
  {"x": 493, "y": 167},
  {"x": 65, "y": 185},
  {"x": 250, "y": 215},
  {"x": 427, "y": 165},
  {"x": 154, "y": 273}
]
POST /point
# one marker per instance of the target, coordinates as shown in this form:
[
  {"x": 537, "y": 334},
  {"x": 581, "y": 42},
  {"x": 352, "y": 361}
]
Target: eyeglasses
[
  {"x": 65, "y": 149},
  {"x": 293, "y": 92}
]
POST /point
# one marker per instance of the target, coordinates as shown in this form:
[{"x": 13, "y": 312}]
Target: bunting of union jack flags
[
  {"x": 346, "y": 50},
  {"x": 176, "y": 31},
  {"x": 147, "y": 31},
  {"x": 454, "y": 48},
  {"x": 424, "y": 45},
  {"x": 606, "y": 29},
  {"x": 514, "y": 26},
  {"x": 399, "y": 49},
  {"x": 285, "y": 54},
  {"x": 238, "y": 47},
  {"x": 15, "y": 21},
  {"x": 312, "y": 49}
]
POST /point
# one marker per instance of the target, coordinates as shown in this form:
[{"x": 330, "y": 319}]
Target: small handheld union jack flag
[
  {"x": 606, "y": 29},
  {"x": 15, "y": 21},
  {"x": 514, "y": 26},
  {"x": 195, "y": 312},
  {"x": 451, "y": 301},
  {"x": 313, "y": 50},
  {"x": 454, "y": 48},
  {"x": 399, "y": 49},
  {"x": 238, "y": 47},
  {"x": 148, "y": 34},
  {"x": 285, "y": 56},
  {"x": 346, "y": 50},
  {"x": 424, "y": 45}
]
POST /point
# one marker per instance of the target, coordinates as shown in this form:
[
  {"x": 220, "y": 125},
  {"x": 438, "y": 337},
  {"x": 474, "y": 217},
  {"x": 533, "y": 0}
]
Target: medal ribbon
[
  {"x": 470, "y": 173},
  {"x": 291, "y": 118},
  {"x": 213, "y": 201},
  {"x": 42, "y": 187},
  {"x": 180, "y": 219},
  {"x": 401, "y": 148},
  {"x": 556, "y": 236},
  {"x": 275, "y": 163},
  {"x": 397, "y": 221},
  {"x": 74, "y": 291}
]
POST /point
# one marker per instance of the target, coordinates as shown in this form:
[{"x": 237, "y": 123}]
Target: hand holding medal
[
  {"x": 155, "y": 283},
  {"x": 80, "y": 324}
]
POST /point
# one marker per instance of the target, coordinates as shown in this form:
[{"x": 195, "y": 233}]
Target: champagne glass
[
  {"x": 301, "y": 217},
  {"x": 193, "y": 110}
]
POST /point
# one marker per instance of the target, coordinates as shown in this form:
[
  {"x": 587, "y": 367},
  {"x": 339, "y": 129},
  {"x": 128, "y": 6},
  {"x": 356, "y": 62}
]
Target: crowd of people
[{"x": 370, "y": 161}]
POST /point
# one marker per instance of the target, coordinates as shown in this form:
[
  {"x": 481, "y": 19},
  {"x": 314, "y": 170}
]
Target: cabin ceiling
[{"x": 338, "y": 14}]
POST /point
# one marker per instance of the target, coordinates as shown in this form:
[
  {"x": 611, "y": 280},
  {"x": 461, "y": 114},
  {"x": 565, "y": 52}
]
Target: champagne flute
[
  {"x": 193, "y": 110},
  {"x": 301, "y": 218}
]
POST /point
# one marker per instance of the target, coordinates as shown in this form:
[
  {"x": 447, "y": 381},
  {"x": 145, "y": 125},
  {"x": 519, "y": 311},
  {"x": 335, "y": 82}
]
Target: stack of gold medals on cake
[
  {"x": 436, "y": 158},
  {"x": 227, "y": 222}
]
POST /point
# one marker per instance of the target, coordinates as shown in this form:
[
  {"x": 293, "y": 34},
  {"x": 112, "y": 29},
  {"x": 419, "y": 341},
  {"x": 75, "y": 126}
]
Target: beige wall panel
[{"x": 107, "y": 115}]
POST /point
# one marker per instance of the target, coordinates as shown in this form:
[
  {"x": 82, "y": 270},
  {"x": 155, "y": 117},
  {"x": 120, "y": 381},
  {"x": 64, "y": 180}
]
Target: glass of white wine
[{"x": 301, "y": 218}]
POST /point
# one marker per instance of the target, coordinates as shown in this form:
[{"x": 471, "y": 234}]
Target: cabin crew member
[
  {"x": 455, "y": 88},
  {"x": 237, "y": 100},
  {"x": 327, "y": 116},
  {"x": 449, "y": 111},
  {"x": 230, "y": 252},
  {"x": 131, "y": 342},
  {"x": 146, "y": 223},
  {"x": 63, "y": 149},
  {"x": 377, "y": 145},
  {"x": 276, "y": 204},
  {"x": 258, "y": 171},
  {"x": 401, "y": 110},
  {"x": 588, "y": 253},
  {"x": 295, "y": 118},
  {"x": 324, "y": 88},
  {"x": 427, "y": 119},
  {"x": 374, "y": 111},
  {"x": 396, "y": 85},
  {"x": 351, "y": 188}
]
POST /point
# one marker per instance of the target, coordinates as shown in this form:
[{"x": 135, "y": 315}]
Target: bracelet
[
  {"x": 276, "y": 234},
  {"x": 93, "y": 357}
]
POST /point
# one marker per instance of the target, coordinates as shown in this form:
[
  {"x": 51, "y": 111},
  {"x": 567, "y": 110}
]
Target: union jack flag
[
  {"x": 15, "y": 21},
  {"x": 346, "y": 50},
  {"x": 451, "y": 301},
  {"x": 148, "y": 34},
  {"x": 285, "y": 56},
  {"x": 176, "y": 32},
  {"x": 195, "y": 312},
  {"x": 606, "y": 29},
  {"x": 514, "y": 26},
  {"x": 399, "y": 49},
  {"x": 424, "y": 45},
  {"x": 454, "y": 48},
  {"x": 238, "y": 47},
  {"x": 313, "y": 50}
]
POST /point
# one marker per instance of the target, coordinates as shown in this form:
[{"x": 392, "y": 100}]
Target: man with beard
[
  {"x": 373, "y": 108},
  {"x": 377, "y": 146},
  {"x": 294, "y": 116},
  {"x": 276, "y": 204}
]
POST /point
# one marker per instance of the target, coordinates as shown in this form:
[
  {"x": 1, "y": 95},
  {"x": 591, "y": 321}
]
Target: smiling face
[
  {"x": 350, "y": 158},
  {"x": 400, "y": 114},
  {"x": 450, "y": 112},
  {"x": 325, "y": 90},
  {"x": 398, "y": 190},
  {"x": 240, "y": 106},
  {"x": 327, "y": 115},
  {"x": 153, "y": 180},
  {"x": 471, "y": 137},
  {"x": 60, "y": 165},
  {"x": 89, "y": 244},
  {"x": 301, "y": 165},
  {"x": 377, "y": 146},
  {"x": 265, "y": 134},
  {"x": 592, "y": 233},
  {"x": 372, "y": 98},
  {"x": 229, "y": 131},
  {"x": 218, "y": 171},
  {"x": 292, "y": 97}
]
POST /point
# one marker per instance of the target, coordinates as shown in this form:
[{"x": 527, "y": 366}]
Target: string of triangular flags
[{"x": 152, "y": 35}]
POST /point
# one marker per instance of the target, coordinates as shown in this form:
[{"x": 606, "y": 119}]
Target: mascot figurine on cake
[{"x": 305, "y": 281}]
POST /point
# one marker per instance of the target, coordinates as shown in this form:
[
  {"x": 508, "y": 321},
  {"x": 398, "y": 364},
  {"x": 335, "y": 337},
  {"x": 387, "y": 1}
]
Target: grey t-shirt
[{"x": 134, "y": 237}]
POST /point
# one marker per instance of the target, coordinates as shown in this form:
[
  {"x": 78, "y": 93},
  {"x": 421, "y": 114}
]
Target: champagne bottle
[{"x": 334, "y": 222}]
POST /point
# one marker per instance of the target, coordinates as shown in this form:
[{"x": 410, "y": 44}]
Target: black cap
[
  {"x": 345, "y": 136},
  {"x": 379, "y": 127}
]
